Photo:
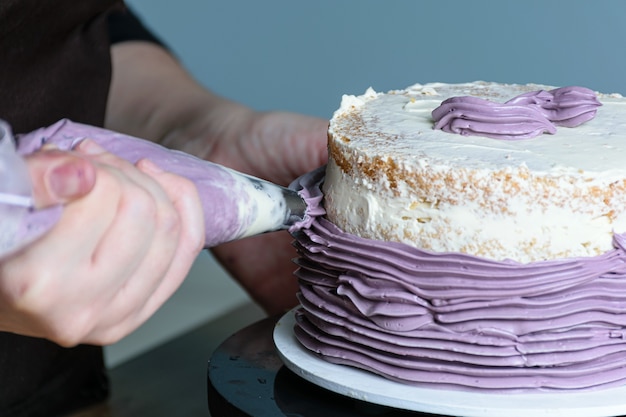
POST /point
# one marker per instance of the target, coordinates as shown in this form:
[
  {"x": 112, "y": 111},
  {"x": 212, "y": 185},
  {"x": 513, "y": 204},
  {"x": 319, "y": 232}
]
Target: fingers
[
  {"x": 164, "y": 268},
  {"x": 190, "y": 226},
  {"x": 59, "y": 177},
  {"x": 177, "y": 236},
  {"x": 112, "y": 260}
]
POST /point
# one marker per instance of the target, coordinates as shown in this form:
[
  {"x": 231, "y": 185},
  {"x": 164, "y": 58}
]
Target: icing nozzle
[
  {"x": 267, "y": 206},
  {"x": 296, "y": 207}
]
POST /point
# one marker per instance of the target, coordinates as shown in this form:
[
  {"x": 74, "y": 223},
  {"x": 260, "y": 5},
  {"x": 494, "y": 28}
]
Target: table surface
[{"x": 170, "y": 380}]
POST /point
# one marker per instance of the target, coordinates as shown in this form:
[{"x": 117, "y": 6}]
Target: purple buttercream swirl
[
  {"x": 525, "y": 116},
  {"x": 457, "y": 320}
]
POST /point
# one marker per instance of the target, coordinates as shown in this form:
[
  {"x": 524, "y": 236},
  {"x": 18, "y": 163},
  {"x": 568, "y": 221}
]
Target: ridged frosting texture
[
  {"x": 392, "y": 176},
  {"x": 456, "y": 320}
]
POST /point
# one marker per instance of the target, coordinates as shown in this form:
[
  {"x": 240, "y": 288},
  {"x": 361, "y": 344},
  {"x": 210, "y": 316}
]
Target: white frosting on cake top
[
  {"x": 598, "y": 146},
  {"x": 391, "y": 176}
]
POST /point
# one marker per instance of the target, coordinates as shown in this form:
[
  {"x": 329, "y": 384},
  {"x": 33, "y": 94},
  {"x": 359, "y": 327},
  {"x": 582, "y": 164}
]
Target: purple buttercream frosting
[
  {"x": 456, "y": 320},
  {"x": 525, "y": 116}
]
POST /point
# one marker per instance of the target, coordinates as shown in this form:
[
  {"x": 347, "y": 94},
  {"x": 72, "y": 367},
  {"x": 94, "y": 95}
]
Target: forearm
[{"x": 153, "y": 97}]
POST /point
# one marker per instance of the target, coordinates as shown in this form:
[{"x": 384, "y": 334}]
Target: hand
[
  {"x": 126, "y": 239},
  {"x": 279, "y": 147}
]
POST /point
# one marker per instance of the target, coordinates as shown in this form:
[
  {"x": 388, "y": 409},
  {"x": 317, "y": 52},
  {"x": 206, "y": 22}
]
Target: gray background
[{"x": 303, "y": 55}]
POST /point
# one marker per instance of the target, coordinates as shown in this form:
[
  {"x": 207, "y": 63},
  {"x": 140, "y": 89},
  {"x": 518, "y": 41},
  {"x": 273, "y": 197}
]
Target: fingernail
[
  {"x": 68, "y": 180},
  {"x": 89, "y": 147}
]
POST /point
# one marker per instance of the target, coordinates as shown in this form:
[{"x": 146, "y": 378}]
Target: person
[{"x": 128, "y": 233}]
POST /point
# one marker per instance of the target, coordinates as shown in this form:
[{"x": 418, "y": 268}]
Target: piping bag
[{"x": 235, "y": 205}]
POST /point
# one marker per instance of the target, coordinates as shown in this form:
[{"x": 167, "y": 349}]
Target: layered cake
[{"x": 470, "y": 236}]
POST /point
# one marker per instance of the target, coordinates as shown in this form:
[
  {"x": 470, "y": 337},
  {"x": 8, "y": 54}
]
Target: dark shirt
[{"x": 55, "y": 63}]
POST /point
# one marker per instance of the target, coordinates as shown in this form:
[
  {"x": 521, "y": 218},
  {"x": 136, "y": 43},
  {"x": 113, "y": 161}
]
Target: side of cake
[{"x": 391, "y": 283}]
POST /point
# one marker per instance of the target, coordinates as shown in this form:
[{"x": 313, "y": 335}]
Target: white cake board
[{"x": 366, "y": 386}]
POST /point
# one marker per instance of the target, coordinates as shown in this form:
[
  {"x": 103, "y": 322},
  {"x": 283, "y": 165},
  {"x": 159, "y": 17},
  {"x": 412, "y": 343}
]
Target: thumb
[{"x": 59, "y": 177}]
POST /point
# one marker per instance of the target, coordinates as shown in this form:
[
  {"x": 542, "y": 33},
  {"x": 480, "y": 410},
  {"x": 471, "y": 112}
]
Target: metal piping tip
[{"x": 295, "y": 209}]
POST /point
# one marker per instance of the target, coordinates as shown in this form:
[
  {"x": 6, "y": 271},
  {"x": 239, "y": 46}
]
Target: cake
[{"x": 470, "y": 236}]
